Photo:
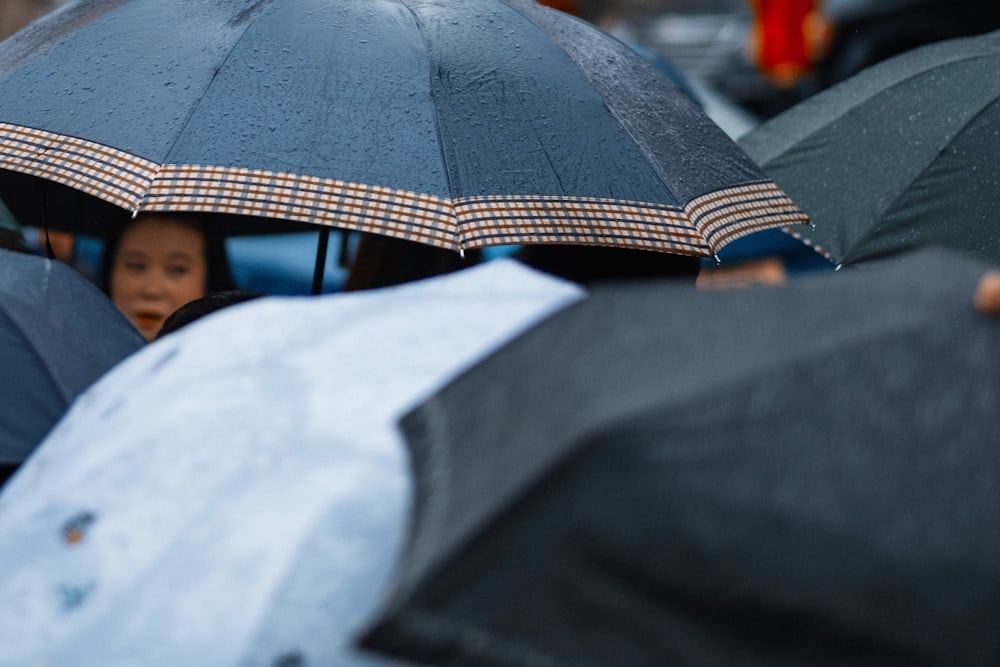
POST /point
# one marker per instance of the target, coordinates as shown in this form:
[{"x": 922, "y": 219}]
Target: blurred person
[
  {"x": 158, "y": 262},
  {"x": 787, "y": 38},
  {"x": 64, "y": 247},
  {"x": 206, "y": 305},
  {"x": 590, "y": 264},
  {"x": 15, "y": 14},
  {"x": 747, "y": 273},
  {"x": 383, "y": 261},
  {"x": 10, "y": 239}
]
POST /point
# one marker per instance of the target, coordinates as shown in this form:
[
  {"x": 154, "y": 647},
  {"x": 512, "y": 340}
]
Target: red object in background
[
  {"x": 568, "y": 6},
  {"x": 787, "y": 36}
]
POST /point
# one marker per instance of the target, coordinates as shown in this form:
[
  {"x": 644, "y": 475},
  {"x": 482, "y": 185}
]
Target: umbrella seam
[
  {"x": 809, "y": 106},
  {"x": 456, "y": 231},
  {"x": 196, "y": 105},
  {"x": 849, "y": 256},
  {"x": 629, "y": 129}
]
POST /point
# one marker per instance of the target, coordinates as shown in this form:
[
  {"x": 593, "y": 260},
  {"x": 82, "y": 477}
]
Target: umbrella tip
[{"x": 987, "y": 297}]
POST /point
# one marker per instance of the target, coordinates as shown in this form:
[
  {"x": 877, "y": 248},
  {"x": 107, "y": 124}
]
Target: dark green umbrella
[
  {"x": 901, "y": 155},
  {"x": 797, "y": 475}
]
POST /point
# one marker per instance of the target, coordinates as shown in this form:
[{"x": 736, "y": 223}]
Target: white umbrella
[{"x": 236, "y": 493}]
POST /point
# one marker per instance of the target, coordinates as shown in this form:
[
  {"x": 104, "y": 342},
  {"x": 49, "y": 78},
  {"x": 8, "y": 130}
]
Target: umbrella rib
[
  {"x": 932, "y": 159},
  {"x": 194, "y": 107},
  {"x": 813, "y": 107},
  {"x": 755, "y": 204},
  {"x": 624, "y": 122},
  {"x": 458, "y": 241}
]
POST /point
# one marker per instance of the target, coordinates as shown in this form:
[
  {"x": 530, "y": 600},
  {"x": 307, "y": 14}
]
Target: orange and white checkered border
[{"x": 133, "y": 183}]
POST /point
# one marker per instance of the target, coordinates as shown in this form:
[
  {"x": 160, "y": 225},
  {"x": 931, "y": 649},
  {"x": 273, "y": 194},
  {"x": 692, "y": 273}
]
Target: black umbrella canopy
[
  {"x": 58, "y": 335},
  {"x": 901, "y": 155},
  {"x": 458, "y": 123},
  {"x": 804, "y": 474}
]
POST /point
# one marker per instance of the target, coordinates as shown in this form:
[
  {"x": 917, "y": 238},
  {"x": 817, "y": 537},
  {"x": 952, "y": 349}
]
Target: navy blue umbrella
[
  {"x": 58, "y": 334},
  {"x": 460, "y": 124}
]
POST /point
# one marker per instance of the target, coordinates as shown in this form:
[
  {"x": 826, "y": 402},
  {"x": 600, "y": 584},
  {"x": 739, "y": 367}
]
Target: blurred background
[{"x": 713, "y": 41}]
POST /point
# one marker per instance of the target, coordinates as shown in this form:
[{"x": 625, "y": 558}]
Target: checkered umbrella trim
[
  {"x": 728, "y": 214},
  {"x": 319, "y": 201},
  {"x": 107, "y": 173},
  {"x": 137, "y": 184},
  {"x": 502, "y": 220}
]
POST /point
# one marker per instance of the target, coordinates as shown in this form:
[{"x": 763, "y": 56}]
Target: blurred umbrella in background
[
  {"x": 902, "y": 155},
  {"x": 804, "y": 474},
  {"x": 459, "y": 124},
  {"x": 58, "y": 334}
]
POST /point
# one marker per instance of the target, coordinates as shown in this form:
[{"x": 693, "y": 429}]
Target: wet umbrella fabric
[
  {"x": 236, "y": 492},
  {"x": 804, "y": 474},
  {"x": 58, "y": 334},
  {"x": 459, "y": 124},
  {"x": 901, "y": 155}
]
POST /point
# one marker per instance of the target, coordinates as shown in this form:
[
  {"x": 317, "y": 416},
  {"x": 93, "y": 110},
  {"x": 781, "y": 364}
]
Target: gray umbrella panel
[
  {"x": 492, "y": 115},
  {"x": 762, "y": 476},
  {"x": 902, "y": 154}
]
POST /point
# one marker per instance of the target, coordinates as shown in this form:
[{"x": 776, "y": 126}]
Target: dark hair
[
  {"x": 219, "y": 277},
  {"x": 593, "y": 264},
  {"x": 382, "y": 261},
  {"x": 207, "y": 304},
  {"x": 12, "y": 240}
]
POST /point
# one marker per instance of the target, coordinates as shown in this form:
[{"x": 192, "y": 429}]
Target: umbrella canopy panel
[
  {"x": 58, "y": 334},
  {"x": 460, "y": 124},
  {"x": 660, "y": 475},
  {"x": 903, "y": 154}
]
